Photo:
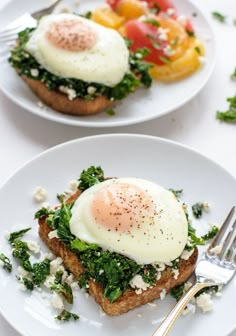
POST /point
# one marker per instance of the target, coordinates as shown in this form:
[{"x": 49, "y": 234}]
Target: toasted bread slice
[
  {"x": 60, "y": 102},
  {"x": 129, "y": 299}
]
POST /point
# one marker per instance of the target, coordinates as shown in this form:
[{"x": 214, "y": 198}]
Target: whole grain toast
[
  {"x": 60, "y": 102},
  {"x": 129, "y": 299}
]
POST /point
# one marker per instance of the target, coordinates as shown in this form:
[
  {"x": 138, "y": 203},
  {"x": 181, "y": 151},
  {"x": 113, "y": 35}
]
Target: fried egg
[
  {"x": 131, "y": 216},
  {"x": 70, "y": 46}
]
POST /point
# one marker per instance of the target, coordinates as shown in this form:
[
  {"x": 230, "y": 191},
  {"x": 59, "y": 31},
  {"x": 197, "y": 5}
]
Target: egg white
[
  {"x": 163, "y": 241},
  {"x": 105, "y": 63}
]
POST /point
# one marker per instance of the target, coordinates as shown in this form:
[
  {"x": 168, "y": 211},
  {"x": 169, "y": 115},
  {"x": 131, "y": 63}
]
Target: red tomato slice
[
  {"x": 113, "y": 3},
  {"x": 163, "y": 5},
  {"x": 145, "y": 35},
  {"x": 189, "y": 26}
]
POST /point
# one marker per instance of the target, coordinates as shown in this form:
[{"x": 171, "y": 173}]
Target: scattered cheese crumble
[
  {"x": 34, "y": 72},
  {"x": 216, "y": 250},
  {"x": 55, "y": 264},
  {"x": 186, "y": 254},
  {"x": 138, "y": 283},
  {"x": 33, "y": 246},
  {"x": 71, "y": 93},
  {"x": 53, "y": 234},
  {"x": 57, "y": 302},
  {"x": 163, "y": 294},
  {"x": 74, "y": 185},
  {"x": 40, "y": 194},
  {"x": 204, "y": 302}
]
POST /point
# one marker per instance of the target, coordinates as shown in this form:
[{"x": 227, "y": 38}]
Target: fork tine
[
  {"x": 227, "y": 242},
  {"x": 218, "y": 238},
  {"x": 9, "y": 38},
  {"x": 230, "y": 254}
]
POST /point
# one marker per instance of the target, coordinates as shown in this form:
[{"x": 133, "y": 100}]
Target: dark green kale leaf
[
  {"x": 148, "y": 273},
  {"x": 28, "y": 283},
  {"x": 63, "y": 289},
  {"x": 40, "y": 272},
  {"x": 5, "y": 262},
  {"x": 41, "y": 213},
  {"x": 16, "y": 235},
  {"x": 230, "y": 114},
  {"x": 81, "y": 246},
  {"x": 63, "y": 227},
  {"x": 90, "y": 177},
  {"x": 177, "y": 291},
  {"x": 67, "y": 316},
  {"x": 211, "y": 233},
  {"x": 111, "y": 270},
  {"x": 21, "y": 253}
]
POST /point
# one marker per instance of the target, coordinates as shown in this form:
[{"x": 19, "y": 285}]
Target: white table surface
[{"x": 23, "y": 135}]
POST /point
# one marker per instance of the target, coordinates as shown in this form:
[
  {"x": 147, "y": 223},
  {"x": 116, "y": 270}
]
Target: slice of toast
[
  {"x": 60, "y": 102},
  {"x": 129, "y": 299}
]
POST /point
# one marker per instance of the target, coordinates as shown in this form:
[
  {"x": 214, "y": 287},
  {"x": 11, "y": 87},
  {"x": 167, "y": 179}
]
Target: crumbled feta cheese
[
  {"x": 163, "y": 294},
  {"x": 49, "y": 256},
  {"x": 74, "y": 185},
  {"x": 22, "y": 287},
  {"x": 176, "y": 273},
  {"x": 216, "y": 250},
  {"x": 33, "y": 246},
  {"x": 65, "y": 10},
  {"x": 158, "y": 276},
  {"x": 49, "y": 281},
  {"x": 137, "y": 282},
  {"x": 161, "y": 266},
  {"x": 170, "y": 11},
  {"x": 69, "y": 280},
  {"x": 55, "y": 264},
  {"x": 182, "y": 20},
  {"x": 152, "y": 304},
  {"x": 34, "y": 72},
  {"x": 71, "y": 93},
  {"x": 218, "y": 294},
  {"x": 204, "y": 302},
  {"x": 185, "y": 311},
  {"x": 41, "y": 105},
  {"x": 186, "y": 254},
  {"x": 91, "y": 90},
  {"x": 101, "y": 312},
  {"x": 74, "y": 285},
  {"x": 202, "y": 59},
  {"x": 138, "y": 55},
  {"x": 40, "y": 194},
  {"x": 57, "y": 302},
  {"x": 101, "y": 271},
  {"x": 22, "y": 272},
  {"x": 77, "y": 2},
  {"x": 162, "y": 33},
  {"x": 206, "y": 206},
  {"x": 112, "y": 99},
  {"x": 187, "y": 285},
  {"x": 46, "y": 205},
  {"x": 168, "y": 51},
  {"x": 53, "y": 234}
]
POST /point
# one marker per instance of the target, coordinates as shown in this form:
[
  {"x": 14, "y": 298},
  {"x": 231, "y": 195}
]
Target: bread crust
[
  {"x": 129, "y": 299},
  {"x": 60, "y": 102}
]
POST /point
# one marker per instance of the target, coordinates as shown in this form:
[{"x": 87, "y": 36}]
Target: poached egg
[
  {"x": 70, "y": 46},
  {"x": 131, "y": 216}
]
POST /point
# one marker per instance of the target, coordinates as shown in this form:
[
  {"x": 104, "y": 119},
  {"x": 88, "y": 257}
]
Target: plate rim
[
  {"x": 107, "y": 136},
  {"x": 63, "y": 118}
]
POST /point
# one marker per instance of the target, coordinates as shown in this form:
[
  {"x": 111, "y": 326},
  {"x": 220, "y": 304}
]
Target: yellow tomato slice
[
  {"x": 107, "y": 17},
  {"x": 131, "y": 9},
  {"x": 183, "y": 66}
]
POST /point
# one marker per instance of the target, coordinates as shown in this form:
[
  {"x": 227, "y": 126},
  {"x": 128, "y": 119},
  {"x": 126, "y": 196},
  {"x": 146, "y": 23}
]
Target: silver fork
[
  {"x": 214, "y": 269},
  {"x": 8, "y": 35}
]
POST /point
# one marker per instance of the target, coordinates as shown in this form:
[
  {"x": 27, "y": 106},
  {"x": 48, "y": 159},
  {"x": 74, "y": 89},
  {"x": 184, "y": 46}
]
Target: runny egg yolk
[
  {"x": 122, "y": 207},
  {"x": 71, "y": 35}
]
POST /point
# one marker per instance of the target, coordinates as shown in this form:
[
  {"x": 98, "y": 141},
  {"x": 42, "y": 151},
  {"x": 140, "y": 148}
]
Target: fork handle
[{"x": 171, "y": 318}]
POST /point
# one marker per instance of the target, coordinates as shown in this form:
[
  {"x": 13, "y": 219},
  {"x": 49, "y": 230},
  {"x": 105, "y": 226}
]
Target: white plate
[
  {"x": 167, "y": 163},
  {"x": 138, "y": 107}
]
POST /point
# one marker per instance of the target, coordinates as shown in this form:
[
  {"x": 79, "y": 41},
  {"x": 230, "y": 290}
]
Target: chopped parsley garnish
[
  {"x": 67, "y": 316},
  {"x": 175, "y": 41},
  {"x": 5, "y": 262},
  {"x": 219, "y": 17},
  {"x": 198, "y": 50},
  {"x": 198, "y": 209},
  {"x": 177, "y": 291},
  {"x": 190, "y": 33},
  {"x": 156, "y": 9},
  {"x": 63, "y": 289},
  {"x": 149, "y": 274},
  {"x": 90, "y": 177},
  {"x": 21, "y": 253},
  {"x": 136, "y": 77},
  {"x": 230, "y": 114},
  {"x": 111, "y": 112},
  {"x": 28, "y": 283},
  {"x": 18, "y": 234},
  {"x": 211, "y": 233},
  {"x": 40, "y": 272},
  {"x": 177, "y": 193},
  {"x": 152, "y": 22},
  {"x": 165, "y": 59}
]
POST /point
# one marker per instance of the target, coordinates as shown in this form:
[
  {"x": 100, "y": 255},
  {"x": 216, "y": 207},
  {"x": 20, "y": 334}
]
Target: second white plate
[{"x": 144, "y": 104}]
